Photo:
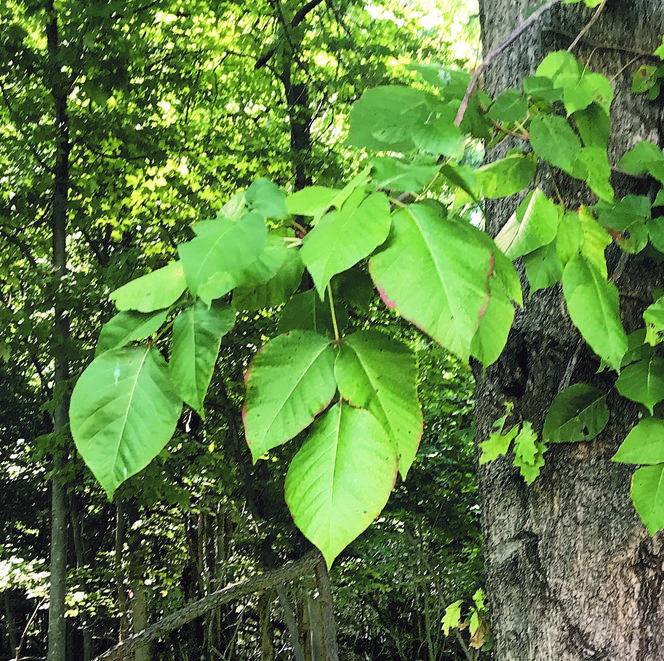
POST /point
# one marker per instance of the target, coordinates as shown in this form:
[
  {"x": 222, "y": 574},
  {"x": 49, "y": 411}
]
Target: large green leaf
[
  {"x": 123, "y": 412},
  {"x": 377, "y": 373},
  {"x": 543, "y": 267},
  {"x": 344, "y": 236},
  {"x": 436, "y": 272},
  {"x": 644, "y": 444},
  {"x": 576, "y": 414},
  {"x": 509, "y": 106},
  {"x": 289, "y": 382},
  {"x": 341, "y": 478},
  {"x": 594, "y": 307},
  {"x": 646, "y": 157},
  {"x": 276, "y": 290},
  {"x": 643, "y": 381},
  {"x": 307, "y": 311},
  {"x": 382, "y": 119},
  {"x": 266, "y": 198},
  {"x": 397, "y": 174},
  {"x": 648, "y": 496},
  {"x": 534, "y": 224},
  {"x": 214, "y": 260},
  {"x": 197, "y": 334},
  {"x": 311, "y": 201},
  {"x": 154, "y": 291},
  {"x": 553, "y": 140},
  {"x": 128, "y": 326},
  {"x": 506, "y": 176}
]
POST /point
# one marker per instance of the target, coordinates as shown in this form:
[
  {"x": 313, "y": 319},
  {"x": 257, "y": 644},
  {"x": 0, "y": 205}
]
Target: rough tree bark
[{"x": 571, "y": 571}]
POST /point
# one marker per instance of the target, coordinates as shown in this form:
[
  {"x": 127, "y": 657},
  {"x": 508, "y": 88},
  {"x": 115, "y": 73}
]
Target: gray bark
[
  {"x": 58, "y": 550},
  {"x": 571, "y": 571}
]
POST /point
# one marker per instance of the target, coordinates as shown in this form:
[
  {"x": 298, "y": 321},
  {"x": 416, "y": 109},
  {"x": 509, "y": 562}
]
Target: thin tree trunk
[
  {"x": 58, "y": 564},
  {"x": 329, "y": 627},
  {"x": 571, "y": 571}
]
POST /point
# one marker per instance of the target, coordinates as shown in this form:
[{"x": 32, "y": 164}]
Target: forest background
[{"x": 122, "y": 124}]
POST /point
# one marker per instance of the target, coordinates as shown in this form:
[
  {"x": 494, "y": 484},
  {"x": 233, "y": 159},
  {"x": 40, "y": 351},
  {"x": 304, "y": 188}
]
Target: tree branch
[
  {"x": 300, "y": 15},
  {"x": 259, "y": 583}
]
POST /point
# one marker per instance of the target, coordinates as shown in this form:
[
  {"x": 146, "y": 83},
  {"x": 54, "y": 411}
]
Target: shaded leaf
[
  {"x": 197, "y": 333},
  {"x": 577, "y": 413},
  {"x": 128, "y": 326}
]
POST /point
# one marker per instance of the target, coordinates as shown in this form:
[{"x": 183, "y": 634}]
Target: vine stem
[
  {"x": 494, "y": 52},
  {"x": 337, "y": 338},
  {"x": 587, "y": 26}
]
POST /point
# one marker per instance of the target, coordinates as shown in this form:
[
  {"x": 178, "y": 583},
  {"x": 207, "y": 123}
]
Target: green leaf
[
  {"x": 570, "y": 238},
  {"x": 439, "y": 135},
  {"x": 344, "y": 236},
  {"x": 341, "y": 478},
  {"x": 497, "y": 445},
  {"x": 197, "y": 334},
  {"x": 533, "y": 225},
  {"x": 306, "y": 311},
  {"x": 506, "y": 176},
  {"x": 643, "y": 381},
  {"x": 577, "y": 413},
  {"x": 509, "y": 106},
  {"x": 154, "y": 291},
  {"x": 383, "y": 118},
  {"x": 311, "y": 201},
  {"x": 594, "y": 126},
  {"x": 266, "y": 198},
  {"x": 592, "y": 165},
  {"x": 543, "y": 268},
  {"x": 644, "y": 444},
  {"x": 541, "y": 88},
  {"x": 123, "y": 412},
  {"x": 128, "y": 326},
  {"x": 277, "y": 289},
  {"x": 379, "y": 374},
  {"x": 594, "y": 307},
  {"x": 447, "y": 295},
  {"x": 561, "y": 67},
  {"x": 222, "y": 248},
  {"x": 645, "y": 77},
  {"x": 645, "y": 158},
  {"x": 648, "y": 496},
  {"x": 452, "y": 617},
  {"x": 289, "y": 382},
  {"x": 591, "y": 88},
  {"x": 654, "y": 318},
  {"x": 266, "y": 265},
  {"x": 392, "y": 173},
  {"x": 553, "y": 140},
  {"x": 628, "y": 218},
  {"x": 528, "y": 453}
]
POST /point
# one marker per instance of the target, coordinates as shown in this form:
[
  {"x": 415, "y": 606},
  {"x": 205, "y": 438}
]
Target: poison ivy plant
[{"x": 350, "y": 397}]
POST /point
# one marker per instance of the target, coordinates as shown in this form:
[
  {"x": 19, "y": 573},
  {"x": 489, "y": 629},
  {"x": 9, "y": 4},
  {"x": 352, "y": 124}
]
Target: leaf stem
[{"x": 337, "y": 338}]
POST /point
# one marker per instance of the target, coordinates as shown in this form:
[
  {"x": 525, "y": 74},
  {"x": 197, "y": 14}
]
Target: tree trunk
[
  {"x": 571, "y": 571},
  {"x": 58, "y": 563}
]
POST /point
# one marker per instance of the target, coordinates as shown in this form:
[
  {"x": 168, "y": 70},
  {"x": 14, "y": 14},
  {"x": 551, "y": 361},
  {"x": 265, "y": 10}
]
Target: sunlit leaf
[
  {"x": 377, "y": 373},
  {"x": 344, "y": 236},
  {"x": 289, "y": 382},
  {"x": 643, "y": 381},
  {"x": 648, "y": 496},
  {"x": 341, "y": 478},
  {"x": 594, "y": 307},
  {"x": 123, "y": 412},
  {"x": 644, "y": 444},
  {"x": 154, "y": 291}
]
